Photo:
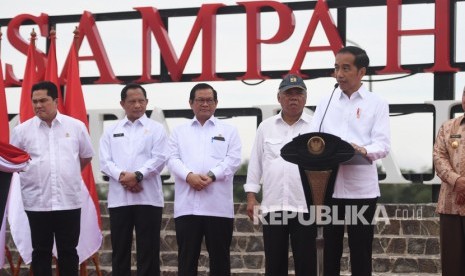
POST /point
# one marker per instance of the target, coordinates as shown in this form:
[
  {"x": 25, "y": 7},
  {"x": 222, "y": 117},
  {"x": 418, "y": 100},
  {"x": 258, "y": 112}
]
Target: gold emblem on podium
[{"x": 316, "y": 145}]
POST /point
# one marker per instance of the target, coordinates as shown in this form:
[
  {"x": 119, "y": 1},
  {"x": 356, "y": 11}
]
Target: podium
[{"x": 318, "y": 156}]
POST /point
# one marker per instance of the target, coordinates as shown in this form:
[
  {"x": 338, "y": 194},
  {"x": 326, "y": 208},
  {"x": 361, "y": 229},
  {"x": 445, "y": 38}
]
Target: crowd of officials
[{"x": 203, "y": 155}]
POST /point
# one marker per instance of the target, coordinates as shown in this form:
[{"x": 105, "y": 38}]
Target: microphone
[{"x": 321, "y": 123}]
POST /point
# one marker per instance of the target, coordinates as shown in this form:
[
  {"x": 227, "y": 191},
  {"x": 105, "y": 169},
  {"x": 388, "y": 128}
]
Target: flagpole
[
  {"x": 33, "y": 37},
  {"x": 76, "y": 40},
  {"x": 51, "y": 71}
]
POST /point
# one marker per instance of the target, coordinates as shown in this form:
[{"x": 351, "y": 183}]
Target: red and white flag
[
  {"x": 51, "y": 71},
  {"x": 17, "y": 218},
  {"x": 90, "y": 239},
  {"x": 5, "y": 138},
  {"x": 30, "y": 78},
  {"x": 12, "y": 159},
  {"x": 4, "y": 122}
]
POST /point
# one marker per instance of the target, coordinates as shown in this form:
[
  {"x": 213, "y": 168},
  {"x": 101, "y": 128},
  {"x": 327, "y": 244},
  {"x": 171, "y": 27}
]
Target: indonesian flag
[
  {"x": 17, "y": 218},
  {"x": 51, "y": 71},
  {"x": 90, "y": 239},
  {"x": 4, "y": 122},
  {"x": 12, "y": 160},
  {"x": 30, "y": 78},
  {"x": 4, "y": 138}
]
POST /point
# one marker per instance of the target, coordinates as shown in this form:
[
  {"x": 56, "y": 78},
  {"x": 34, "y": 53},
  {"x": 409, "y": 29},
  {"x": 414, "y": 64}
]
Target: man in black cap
[{"x": 283, "y": 205}]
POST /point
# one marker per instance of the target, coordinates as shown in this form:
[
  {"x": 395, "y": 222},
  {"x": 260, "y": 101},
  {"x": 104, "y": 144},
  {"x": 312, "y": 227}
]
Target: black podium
[{"x": 318, "y": 156}]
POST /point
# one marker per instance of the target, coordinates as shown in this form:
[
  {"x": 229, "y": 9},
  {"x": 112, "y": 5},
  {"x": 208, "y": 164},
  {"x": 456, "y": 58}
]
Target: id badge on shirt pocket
[{"x": 454, "y": 141}]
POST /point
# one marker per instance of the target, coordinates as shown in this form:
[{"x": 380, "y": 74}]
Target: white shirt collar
[
  {"x": 304, "y": 117},
  {"x": 361, "y": 92},
  {"x": 58, "y": 118},
  {"x": 212, "y": 119},
  {"x": 142, "y": 120}
]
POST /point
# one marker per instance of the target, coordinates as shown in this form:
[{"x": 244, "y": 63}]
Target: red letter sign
[
  {"x": 285, "y": 30},
  {"x": 88, "y": 28},
  {"x": 206, "y": 21},
  {"x": 22, "y": 45},
  {"x": 440, "y": 32},
  {"x": 320, "y": 14}
]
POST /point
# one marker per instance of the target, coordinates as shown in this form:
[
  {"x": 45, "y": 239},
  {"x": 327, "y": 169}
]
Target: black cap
[{"x": 291, "y": 81}]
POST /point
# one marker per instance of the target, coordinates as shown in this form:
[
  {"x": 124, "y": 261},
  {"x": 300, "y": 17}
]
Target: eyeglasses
[{"x": 209, "y": 101}]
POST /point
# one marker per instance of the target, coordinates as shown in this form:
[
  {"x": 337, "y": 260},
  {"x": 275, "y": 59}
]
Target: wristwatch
[
  {"x": 139, "y": 176},
  {"x": 211, "y": 175}
]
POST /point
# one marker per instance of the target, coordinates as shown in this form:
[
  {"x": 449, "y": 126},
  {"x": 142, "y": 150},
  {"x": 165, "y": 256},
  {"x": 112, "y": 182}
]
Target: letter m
[{"x": 152, "y": 24}]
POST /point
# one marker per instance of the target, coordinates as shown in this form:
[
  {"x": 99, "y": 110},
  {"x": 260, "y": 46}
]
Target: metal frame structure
[{"x": 444, "y": 83}]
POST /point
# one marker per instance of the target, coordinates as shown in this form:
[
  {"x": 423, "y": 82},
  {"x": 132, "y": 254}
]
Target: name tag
[
  {"x": 118, "y": 135},
  {"x": 455, "y": 136},
  {"x": 218, "y": 138}
]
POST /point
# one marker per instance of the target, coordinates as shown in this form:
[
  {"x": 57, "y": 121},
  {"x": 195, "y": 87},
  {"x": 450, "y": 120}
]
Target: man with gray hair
[{"x": 283, "y": 195}]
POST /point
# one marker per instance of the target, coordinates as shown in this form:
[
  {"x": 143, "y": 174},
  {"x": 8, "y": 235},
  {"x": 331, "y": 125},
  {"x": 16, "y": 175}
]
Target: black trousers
[
  {"x": 64, "y": 226},
  {"x": 217, "y": 231},
  {"x": 360, "y": 236},
  {"x": 146, "y": 220},
  {"x": 452, "y": 229},
  {"x": 276, "y": 233}
]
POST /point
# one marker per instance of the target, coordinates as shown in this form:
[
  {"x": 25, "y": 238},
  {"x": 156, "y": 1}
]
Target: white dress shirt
[
  {"x": 52, "y": 181},
  {"x": 215, "y": 147},
  {"x": 362, "y": 119},
  {"x": 282, "y": 186},
  {"x": 134, "y": 146}
]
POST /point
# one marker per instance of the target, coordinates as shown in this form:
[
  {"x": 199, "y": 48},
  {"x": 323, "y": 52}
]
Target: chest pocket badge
[{"x": 455, "y": 140}]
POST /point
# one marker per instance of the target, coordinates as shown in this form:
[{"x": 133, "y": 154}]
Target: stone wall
[{"x": 407, "y": 245}]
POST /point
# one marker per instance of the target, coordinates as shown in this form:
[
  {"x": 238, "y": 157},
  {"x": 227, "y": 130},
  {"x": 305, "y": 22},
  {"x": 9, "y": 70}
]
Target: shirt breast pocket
[
  {"x": 119, "y": 141},
  {"x": 219, "y": 149},
  {"x": 272, "y": 148}
]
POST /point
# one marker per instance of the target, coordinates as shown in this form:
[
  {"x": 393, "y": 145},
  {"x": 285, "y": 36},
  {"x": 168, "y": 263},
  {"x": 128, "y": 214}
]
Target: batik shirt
[{"x": 449, "y": 162}]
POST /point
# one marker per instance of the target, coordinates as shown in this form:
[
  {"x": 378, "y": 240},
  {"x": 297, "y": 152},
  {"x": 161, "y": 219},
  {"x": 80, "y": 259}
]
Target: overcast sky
[{"x": 122, "y": 42}]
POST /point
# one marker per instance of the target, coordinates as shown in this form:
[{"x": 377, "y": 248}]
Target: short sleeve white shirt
[{"x": 52, "y": 180}]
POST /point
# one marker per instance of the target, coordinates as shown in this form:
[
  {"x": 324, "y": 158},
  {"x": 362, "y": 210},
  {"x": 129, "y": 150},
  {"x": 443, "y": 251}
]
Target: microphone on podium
[{"x": 322, "y": 119}]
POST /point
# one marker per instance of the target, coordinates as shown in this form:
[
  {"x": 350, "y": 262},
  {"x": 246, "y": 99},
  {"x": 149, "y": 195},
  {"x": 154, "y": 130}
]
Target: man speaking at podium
[{"x": 361, "y": 118}]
